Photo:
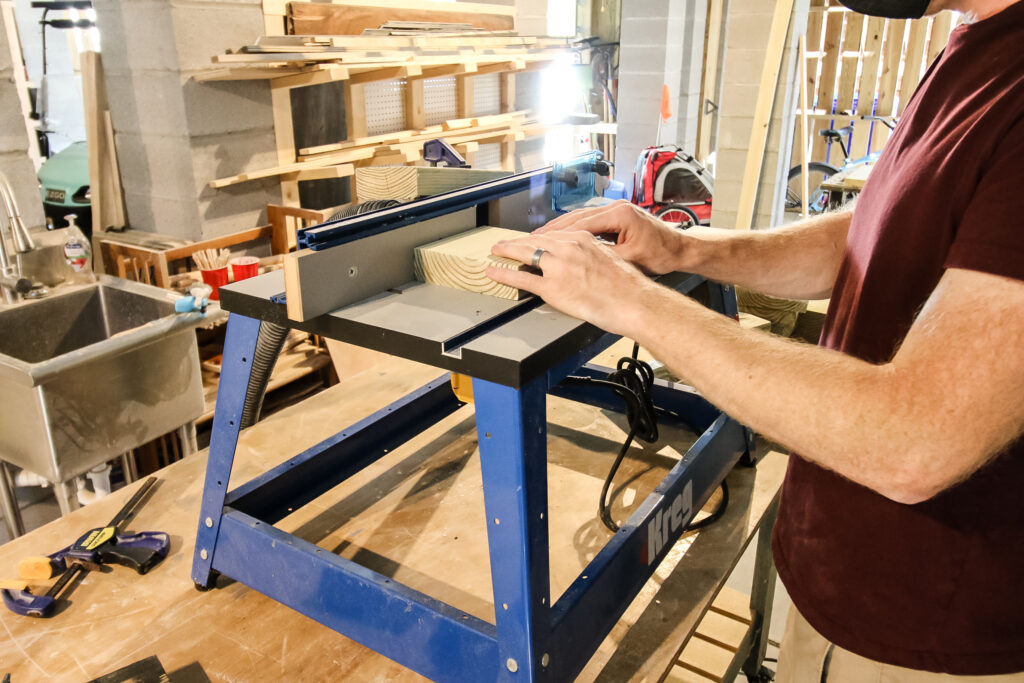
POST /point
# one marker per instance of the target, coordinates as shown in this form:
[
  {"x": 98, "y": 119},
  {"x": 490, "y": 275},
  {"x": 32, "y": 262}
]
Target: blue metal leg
[
  {"x": 239, "y": 347},
  {"x": 511, "y": 427}
]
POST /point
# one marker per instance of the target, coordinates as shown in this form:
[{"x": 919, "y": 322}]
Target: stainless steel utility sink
[{"x": 91, "y": 372}]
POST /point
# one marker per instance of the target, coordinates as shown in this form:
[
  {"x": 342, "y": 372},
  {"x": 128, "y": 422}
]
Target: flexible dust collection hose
[
  {"x": 271, "y": 337},
  {"x": 269, "y": 342}
]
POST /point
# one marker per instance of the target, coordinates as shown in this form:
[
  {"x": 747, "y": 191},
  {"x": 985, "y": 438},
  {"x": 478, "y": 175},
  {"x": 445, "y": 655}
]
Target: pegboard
[
  {"x": 385, "y": 106},
  {"x": 488, "y": 157},
  {"x": 486, "y": 94},
  {"x": 439, "y": 100}
]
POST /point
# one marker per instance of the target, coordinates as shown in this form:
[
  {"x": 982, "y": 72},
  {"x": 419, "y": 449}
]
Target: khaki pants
[{"x": 804, "y": 653}]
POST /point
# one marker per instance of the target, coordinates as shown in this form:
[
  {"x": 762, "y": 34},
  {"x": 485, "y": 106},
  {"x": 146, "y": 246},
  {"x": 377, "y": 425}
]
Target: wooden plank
[
  {"x": 232, "y": 239},
  {"x": 723, "y": 630},
  {"x": 319, "y": 74},
  {"x": 709, "y": 76},
  {"x": 892, "y": 52},
  {"x": 802, "y": 134},
  {"x": 914, "y": 57},
  {"x": 405, "y": 183},
  {"x": 706, "y": 658},
  {"x": 355, "y": 110},
  {"x": 941, "y": 26},
  {"x": 830, "y": 60},
  {"x": 320, "y": 19},
  {"x": 323, "y": 173},
  {"x": 397, "y": 136},
  {"x": 104, "y": 181},
  {"x": 763, "y": 112},
  {"x": 679, "y": 674},
  {"x": 460, "y": 262},
  {"x": 732, "y": 603},
  {"x": 464, "y": 96},
  {"x": 849, "y": 61},
  {"x": 113, "y": 173},
  {"x": 387, "y": 73},
  {"x": 414, "y": 113},
  {"x": 343, "y": 157},
  {"x": 872, "y": 50}
]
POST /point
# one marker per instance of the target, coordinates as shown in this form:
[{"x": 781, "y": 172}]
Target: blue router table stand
[{"x": 513, "y": 368}]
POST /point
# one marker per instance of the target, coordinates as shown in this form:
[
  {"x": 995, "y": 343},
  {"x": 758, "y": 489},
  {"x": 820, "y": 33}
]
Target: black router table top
[{"x": 415, "y": 322}]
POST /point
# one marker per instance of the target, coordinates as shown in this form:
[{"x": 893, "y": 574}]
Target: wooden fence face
[{"x": 861, "y": 66}]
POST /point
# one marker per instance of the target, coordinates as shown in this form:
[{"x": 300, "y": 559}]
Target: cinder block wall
[
  {"x": 174, "y": 135},
  {"x": 14, "y": 141},
  {"x": 662, "y": 43}
]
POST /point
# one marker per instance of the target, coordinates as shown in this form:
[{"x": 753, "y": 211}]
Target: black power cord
[{"x": 632, "y": 381}]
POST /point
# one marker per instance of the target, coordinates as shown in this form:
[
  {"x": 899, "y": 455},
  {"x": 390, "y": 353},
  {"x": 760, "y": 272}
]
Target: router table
[{"x": 517, "y": 354}]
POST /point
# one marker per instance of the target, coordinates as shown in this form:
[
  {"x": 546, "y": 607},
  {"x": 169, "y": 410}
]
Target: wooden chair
[{"x": 148, "y": 261}]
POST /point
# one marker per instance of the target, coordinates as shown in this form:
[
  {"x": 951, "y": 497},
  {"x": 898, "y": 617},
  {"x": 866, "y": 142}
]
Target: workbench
[
  {"x": 407, "y": 516},
  {"x": 845, "y": 185}
]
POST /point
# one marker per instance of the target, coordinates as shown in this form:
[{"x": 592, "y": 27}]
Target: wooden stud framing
[
  {"x": 872, "y": 51},
  {"x": 914, "y": 60},
  {"x": 763, "y": 112},
  {"x": 890, "y": 66},
  {"x": 849, "y": 57},
  {"x": 709, "y": 80}
]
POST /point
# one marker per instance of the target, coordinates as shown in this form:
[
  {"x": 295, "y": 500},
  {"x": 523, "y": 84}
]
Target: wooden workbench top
[{"x": 416, "y": 515}]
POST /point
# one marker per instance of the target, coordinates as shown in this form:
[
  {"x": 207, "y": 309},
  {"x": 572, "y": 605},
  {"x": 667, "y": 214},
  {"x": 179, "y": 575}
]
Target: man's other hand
[
  {"x": 581, "y": 276},
  {"x": 639, "y": 237}
]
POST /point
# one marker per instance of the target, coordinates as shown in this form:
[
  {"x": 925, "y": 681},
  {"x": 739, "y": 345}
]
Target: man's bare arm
[
  {"x": 908, "y": 429},
  {"x": 796, "y": 262}
]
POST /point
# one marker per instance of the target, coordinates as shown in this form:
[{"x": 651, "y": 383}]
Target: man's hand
[
  {"x": 582, "y": 277},
  {"x": 641, "y": 238}
]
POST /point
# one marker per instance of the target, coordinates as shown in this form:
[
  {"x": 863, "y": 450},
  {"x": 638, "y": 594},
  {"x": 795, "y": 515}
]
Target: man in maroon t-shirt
[{"x": 900, "y": 535}]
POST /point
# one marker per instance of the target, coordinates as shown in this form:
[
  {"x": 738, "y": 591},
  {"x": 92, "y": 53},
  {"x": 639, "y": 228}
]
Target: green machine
[{"x": 64, "y": 184}]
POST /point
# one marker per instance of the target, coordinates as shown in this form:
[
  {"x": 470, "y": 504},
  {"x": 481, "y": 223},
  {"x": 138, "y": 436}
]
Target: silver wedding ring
[{"x": 537, "y": 253}]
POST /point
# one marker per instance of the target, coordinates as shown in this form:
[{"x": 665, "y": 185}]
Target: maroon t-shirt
[{"x": 939, "y": 585}]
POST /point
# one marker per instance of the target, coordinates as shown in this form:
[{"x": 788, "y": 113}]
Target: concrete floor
[{"x": 38, "y": 507}]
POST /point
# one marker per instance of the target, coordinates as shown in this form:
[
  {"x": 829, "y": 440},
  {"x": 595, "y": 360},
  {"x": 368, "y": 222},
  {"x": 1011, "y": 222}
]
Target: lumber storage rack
[{"x": 513, "y": 368}]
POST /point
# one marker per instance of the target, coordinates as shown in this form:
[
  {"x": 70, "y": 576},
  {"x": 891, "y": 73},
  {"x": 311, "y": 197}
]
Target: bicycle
[{"x": 819, "y": 171}]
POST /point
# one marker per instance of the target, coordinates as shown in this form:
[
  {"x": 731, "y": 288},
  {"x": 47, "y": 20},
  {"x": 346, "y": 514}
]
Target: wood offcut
[{"x": 460, "y": 262}]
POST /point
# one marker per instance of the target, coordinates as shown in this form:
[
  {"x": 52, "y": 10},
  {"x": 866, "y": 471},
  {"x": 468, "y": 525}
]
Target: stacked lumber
[
  {"x": 306, "y": 60},
  {"x": 338, "y": 160}
]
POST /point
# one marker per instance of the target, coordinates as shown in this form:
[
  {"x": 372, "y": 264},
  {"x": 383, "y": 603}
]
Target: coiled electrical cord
[{"x": 632, "y": 381}]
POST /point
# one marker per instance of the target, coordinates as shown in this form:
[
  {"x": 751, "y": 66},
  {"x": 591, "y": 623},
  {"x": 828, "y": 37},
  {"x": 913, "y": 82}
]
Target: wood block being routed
[{"x": 459, "y": 262}]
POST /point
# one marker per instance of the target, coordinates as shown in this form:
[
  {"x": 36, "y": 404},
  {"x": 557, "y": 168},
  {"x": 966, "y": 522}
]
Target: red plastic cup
[
  {"x": 243, "y": 267},
  {"x": 216, "y": 279}
]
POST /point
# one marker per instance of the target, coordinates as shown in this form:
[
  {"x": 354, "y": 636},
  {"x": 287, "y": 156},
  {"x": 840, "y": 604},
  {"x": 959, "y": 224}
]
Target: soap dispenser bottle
[{"x": 78, "y": 253}]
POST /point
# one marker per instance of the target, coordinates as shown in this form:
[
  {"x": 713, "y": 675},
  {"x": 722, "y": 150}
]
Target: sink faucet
[{"x": 12, "y": 284}]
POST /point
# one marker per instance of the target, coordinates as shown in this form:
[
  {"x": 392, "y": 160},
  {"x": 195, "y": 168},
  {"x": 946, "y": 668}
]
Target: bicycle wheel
[
  {"x": 681, "y": 215},
  {"x": 817, "y": 172}
]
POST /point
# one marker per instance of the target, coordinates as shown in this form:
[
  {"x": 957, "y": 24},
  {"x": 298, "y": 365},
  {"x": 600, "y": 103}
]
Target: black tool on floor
[{"x": 105, "y": 545}]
